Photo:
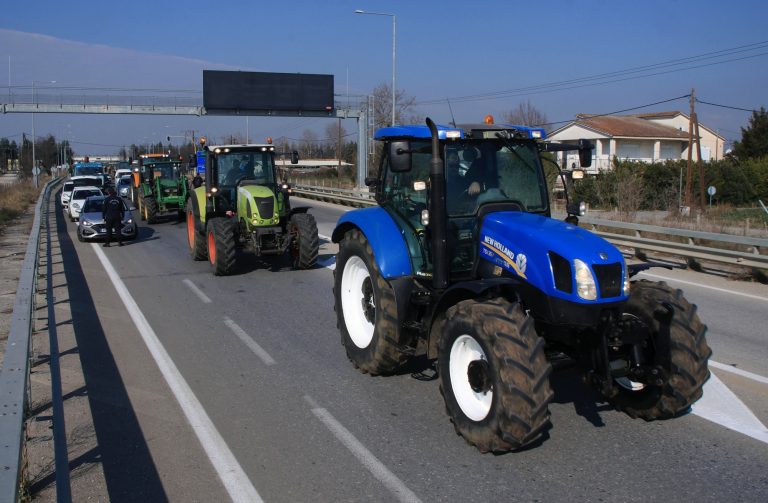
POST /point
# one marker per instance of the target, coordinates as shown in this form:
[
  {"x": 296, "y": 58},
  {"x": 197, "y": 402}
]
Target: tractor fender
[
  {"x": 386, "y": 240},
  {"x": 197, "y": 199},
  {"x": 300, "y": 209}
]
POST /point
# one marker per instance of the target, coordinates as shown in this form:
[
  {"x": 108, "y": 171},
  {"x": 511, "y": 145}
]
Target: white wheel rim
[
  {"x": 474, "y": 405},
  {"x": 352, "y": 279}
]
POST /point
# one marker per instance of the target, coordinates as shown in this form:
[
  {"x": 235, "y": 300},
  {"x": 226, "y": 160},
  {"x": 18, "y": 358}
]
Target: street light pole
[{"x": 394, "y": 55}]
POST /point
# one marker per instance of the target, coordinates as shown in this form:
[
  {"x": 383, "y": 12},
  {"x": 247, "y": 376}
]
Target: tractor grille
[
  {"x": 608, "y": 278},
  {"x": 266, "y": 206}
]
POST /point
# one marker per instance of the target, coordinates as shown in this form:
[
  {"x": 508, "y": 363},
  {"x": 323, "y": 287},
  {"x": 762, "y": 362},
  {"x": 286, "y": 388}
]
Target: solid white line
[
  {"x": 197, "y": 291},
  {"x": 232, "y": 475},
  {"x": 721, "y": 406},
  {"x": 738, "y": 371},
  {"x": 725, "y": 290},
  {"x": 252, "y": 345},
  {"x": 376, "y": 467}
]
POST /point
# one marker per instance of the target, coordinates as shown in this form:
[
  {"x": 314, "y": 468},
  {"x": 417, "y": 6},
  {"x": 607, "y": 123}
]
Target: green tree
[{"x": 754, "y": 138}]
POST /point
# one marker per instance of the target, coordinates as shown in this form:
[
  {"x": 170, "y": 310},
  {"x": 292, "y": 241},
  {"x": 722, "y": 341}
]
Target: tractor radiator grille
[
  {"x": 608, "y": 278},
  {"x": 266, "y": 206}
]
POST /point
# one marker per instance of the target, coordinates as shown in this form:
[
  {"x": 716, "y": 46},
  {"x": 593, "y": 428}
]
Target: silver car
[
  {"x": 92, "y": 225},
  {"x": 124, "y": 186}
]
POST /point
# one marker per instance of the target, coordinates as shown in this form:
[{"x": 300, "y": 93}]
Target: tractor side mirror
[
  {"x": 585, "y": 153},
  {"x": 577, "y": 209},
  {"x": 371, "y": 181},
  {"x": 294, "y": 157},
  {"x": 399, "y": 156}
]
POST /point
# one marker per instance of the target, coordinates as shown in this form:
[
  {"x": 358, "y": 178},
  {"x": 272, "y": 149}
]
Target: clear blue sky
[{"x": 445, "y": 49}]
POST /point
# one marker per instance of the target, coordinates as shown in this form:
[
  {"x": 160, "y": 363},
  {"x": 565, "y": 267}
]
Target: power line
[
  {"x": 619, "y": 111},
  {"x": 726, "y": 106},
  {"x": 595, "y": 79}
]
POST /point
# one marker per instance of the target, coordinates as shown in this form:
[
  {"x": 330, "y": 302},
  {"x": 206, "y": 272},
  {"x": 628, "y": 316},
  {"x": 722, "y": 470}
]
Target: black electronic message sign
[{"x": 263, "y": 91}]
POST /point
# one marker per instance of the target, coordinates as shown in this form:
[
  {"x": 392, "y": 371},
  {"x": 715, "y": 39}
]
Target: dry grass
[{"x": 15, "y": 198}]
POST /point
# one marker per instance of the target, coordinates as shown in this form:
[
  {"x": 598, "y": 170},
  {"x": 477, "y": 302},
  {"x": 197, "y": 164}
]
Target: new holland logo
[
  {"x": 522, "y": 263},
  {"x": 510, "y": 261}
]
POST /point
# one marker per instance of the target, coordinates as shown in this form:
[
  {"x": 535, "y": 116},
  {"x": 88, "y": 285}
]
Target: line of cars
[{"x": 82, "y": 199}]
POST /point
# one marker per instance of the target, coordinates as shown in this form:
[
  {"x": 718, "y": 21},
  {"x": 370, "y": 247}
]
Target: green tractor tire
[
  {"x": 306, "y": 243},
  {"x": 220, "y": 237}
]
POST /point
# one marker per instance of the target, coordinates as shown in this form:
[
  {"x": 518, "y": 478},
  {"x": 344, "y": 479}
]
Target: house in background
[{"x": 648, "y": 138}]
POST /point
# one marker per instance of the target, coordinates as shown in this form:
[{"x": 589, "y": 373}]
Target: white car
[
  {"x": 78, "y": 197},
  {"x": 122, "y": 172},
  {"x": 66, "y": 191}
]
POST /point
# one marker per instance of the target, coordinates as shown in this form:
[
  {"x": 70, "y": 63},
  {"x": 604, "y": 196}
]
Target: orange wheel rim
[
  {"x": 191, "y": 229},
  {"x": 211, "y": 248}
]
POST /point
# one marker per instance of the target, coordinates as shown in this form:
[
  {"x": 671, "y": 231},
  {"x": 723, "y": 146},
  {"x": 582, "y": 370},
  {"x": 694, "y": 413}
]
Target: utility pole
[
  {"x": 689, "y": 167},
  {"x": 700, "y": 164}
]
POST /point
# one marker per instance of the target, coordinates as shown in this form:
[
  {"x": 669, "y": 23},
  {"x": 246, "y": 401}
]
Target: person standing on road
[{"x": 113, "y": 217}]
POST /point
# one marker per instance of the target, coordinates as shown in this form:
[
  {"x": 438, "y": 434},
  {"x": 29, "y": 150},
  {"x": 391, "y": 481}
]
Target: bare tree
[
  {"x": 308, "y": 143},
  {"x": 382, "y": 105},
  {"x": 525, "y": 114}
]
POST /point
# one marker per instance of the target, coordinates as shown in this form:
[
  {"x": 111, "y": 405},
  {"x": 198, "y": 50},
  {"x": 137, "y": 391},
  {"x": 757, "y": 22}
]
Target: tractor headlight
[{"x": 585, "y": 282}]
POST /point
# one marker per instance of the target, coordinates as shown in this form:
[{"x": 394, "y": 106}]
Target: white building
[{"x": 647, "y": 138}]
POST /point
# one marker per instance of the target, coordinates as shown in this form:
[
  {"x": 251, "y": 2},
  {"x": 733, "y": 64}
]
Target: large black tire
[
  {"x": 220, "y": 237},
  {"x": 677, "y": 343},
  {"x": 196, "y": 241},
  {"x": 306, "y": 243},
  {"x": 494, "y": 375},
  {"x": 150, "y": 209},
  {"x": 366, "y": 312}
]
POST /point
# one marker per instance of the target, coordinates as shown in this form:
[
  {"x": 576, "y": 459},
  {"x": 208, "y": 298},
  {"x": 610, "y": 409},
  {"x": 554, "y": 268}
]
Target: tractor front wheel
[
  {"x": 365, "y": 308},
  {"x": 150, "y": 210},
  {"x": 676, "y": 342},
  {"x": 220, "y": 237},
  {"x": 196, "y": 241},
  {"x": 494, "y": 375},
  {"x": 306, "y": 244}
]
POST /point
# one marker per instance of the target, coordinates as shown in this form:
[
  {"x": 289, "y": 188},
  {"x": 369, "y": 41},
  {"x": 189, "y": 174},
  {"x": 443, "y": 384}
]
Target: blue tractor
[{"x": 462, "y": 262}]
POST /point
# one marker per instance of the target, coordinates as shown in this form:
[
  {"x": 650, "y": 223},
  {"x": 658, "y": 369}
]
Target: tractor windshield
[
  {"x": 169, "y": 170},
  {"x": 479, "y": 172},
  {"x": 249, "y": 165}
]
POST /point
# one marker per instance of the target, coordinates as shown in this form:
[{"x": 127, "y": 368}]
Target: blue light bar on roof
[{"x": 416, "y": 132}]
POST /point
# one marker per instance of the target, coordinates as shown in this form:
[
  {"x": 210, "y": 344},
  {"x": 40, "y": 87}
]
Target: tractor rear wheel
[
  {"x": 494, "y": 375},
  {"x": 220, "y": 237},
  {"x": 677, "y": 343},
  {"x": 365, "y": 307},
  {"x": 306, "y": 243},
  {"x": 196, "y": 241},
  {"x": 150, "y": 210}
]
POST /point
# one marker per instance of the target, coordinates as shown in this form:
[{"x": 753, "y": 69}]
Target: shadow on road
[{"x": 128, "y": 467}]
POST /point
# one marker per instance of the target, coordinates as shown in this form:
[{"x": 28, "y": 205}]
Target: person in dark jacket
[{"x": 113, "y": 217}]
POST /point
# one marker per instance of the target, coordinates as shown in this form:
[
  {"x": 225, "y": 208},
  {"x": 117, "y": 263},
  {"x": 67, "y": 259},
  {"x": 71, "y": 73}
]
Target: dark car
[{"x": 92, "y": 226}]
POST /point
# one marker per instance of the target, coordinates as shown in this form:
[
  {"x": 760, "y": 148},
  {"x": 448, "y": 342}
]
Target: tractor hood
[
  {"x": 259, "y": 204},
  {"x": 541, "y": 251}
]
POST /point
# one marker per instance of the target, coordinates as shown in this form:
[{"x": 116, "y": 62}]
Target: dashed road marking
[
  {"x": 197, "y": 291},
  {"x": 232, "y": 475},
  {"x": 252, "y": 345},
  {"x": 366, "y": 457}
]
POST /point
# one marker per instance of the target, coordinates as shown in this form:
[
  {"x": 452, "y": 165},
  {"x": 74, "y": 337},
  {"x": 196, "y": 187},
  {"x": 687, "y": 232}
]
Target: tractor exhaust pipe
[{"x": 437, "y": 213}]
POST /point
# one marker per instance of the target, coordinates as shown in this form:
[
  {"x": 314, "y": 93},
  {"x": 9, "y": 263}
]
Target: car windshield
[
  {"x": 126, "y": 180},
  {"x": 85, "y": 193},
  {"x": 257, "y": 166},
  {"x": 80, "y": 182},
  {"x": 68, "y": 186},
  {"x": 479, "y": 172},
  {"x": 93, "y": 205}
]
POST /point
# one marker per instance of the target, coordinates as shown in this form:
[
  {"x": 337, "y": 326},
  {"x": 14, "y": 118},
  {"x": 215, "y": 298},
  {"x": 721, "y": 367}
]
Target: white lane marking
[
  {"x": 721, "y": 406},
  {"x": 231, "y": 474},
  {"x": 738, "y": 371},
  {"x": 376, "y": 467},
  {"x": 197, "y": 291},
  {"x": 330, "y": 262},
  {"x": 252, "y": 345},
  {"x": 724, "y": 290}
]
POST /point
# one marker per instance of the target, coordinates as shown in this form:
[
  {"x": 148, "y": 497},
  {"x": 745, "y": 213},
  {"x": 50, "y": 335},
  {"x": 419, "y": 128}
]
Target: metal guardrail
[
  {"x": 14, "y": 375},
  {"x": 737, "y": 250}
]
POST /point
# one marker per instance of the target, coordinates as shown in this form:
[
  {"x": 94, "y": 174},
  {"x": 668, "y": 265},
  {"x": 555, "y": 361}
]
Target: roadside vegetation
[{"x": 16, "y": 197}]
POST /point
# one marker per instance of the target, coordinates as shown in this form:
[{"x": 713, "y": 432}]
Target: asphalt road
[{"x": 276, "y": 411}]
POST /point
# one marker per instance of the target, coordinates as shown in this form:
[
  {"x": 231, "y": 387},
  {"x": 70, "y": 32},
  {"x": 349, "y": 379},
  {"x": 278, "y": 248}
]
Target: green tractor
[
  {"x": 244, "y": 205},
  {"x": 159, "y": 188}
]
